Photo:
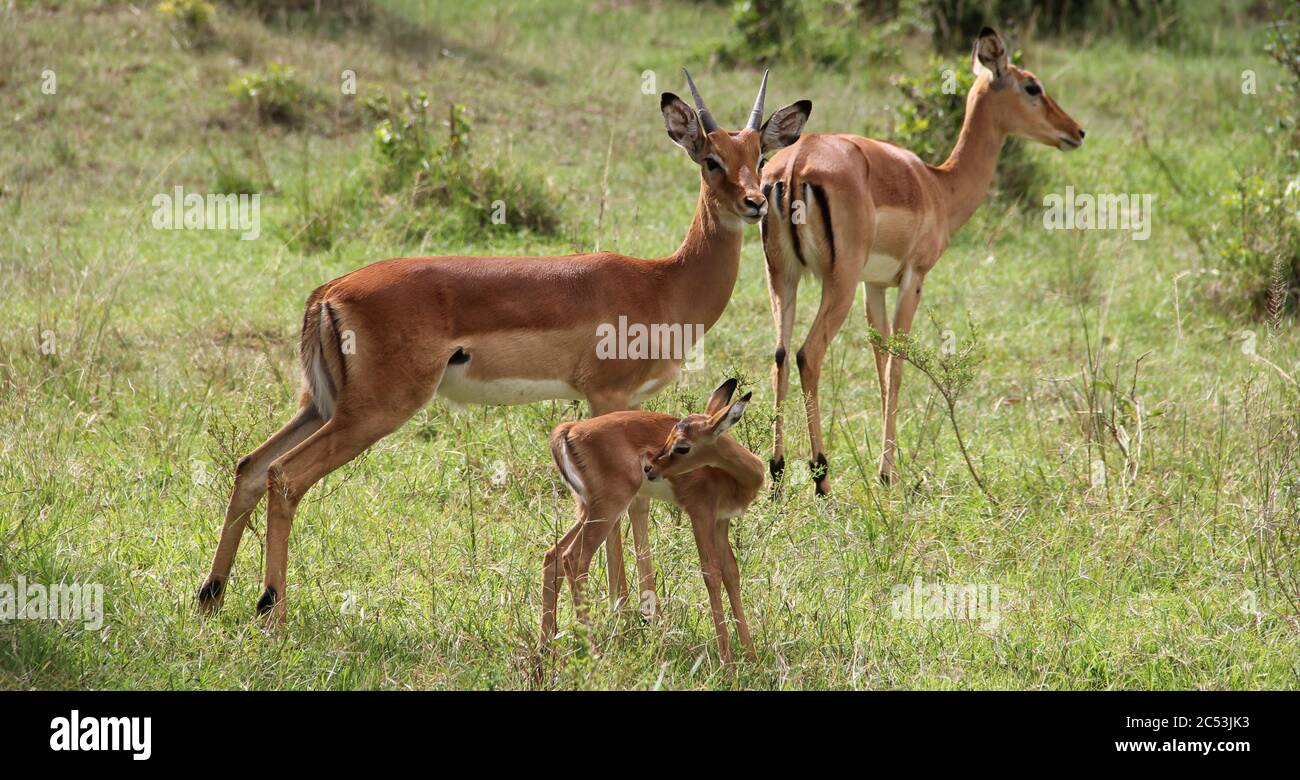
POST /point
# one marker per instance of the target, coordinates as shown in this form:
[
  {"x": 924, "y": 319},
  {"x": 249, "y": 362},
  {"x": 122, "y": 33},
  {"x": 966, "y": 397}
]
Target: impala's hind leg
[
  {"x": 837, "y": 301},
  {"x": 345, "y": 436},
  {"x": 615, "y": 568},
  {"x": 250, "y": 484},
  {"x": 551, "y": 582},
  {"x": 597, "y": 518}
]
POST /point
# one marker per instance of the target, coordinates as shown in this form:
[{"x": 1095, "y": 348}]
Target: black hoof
[
  {"x": 777, "y": 467},
  {"x": 819, "y": 469},
  {"x": 210, "y": 594},
  {"x": 267, "y": 602}
]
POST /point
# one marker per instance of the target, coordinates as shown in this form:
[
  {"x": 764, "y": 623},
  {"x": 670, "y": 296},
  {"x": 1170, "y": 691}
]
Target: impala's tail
[
  {"x": 321, "y": 352},
  {"x": 565, "y": 461}
]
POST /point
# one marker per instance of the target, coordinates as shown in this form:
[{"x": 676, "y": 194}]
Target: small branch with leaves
[{"x": 951, "y": 370}]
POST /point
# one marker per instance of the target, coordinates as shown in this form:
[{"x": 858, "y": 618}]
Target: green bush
[
  {"x": 956, "y": 23},
  {"x": 190, "y": 21},
  {"x": 826, "y": 34},
  {"x": 350, "y": 12},
  {"x": 929, "y": 119},
  {"x": 840, "y": 33},
  {"x": 447, "y": 184},
  {"x": 276, "y": 96},
  {"x": 231, "y": 174},
  {"x": 1260, "y": 245}
]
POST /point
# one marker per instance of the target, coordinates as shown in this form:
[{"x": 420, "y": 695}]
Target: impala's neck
[
  {"x": 706, "y": 264},
  {"x": 965, "y": 176},
  {"x": 742, "y": 465}
]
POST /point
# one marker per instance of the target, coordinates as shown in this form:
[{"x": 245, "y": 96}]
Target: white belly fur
[
  {"x": 654, "y": 385},
  {"x": 894, "y": 232},
  {"x": 457, "y": 387},
  {"x": 659, "y": 490},
  {"x": 881, "y": 270},
  {"x": 662, "y": 490}
]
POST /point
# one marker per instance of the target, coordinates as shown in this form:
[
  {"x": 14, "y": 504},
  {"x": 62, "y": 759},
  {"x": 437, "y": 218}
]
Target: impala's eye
[
  {"x": 1032, "y": 89},
  {"x": 681, "y": 450},
  {"x": 712, "y": 164}
]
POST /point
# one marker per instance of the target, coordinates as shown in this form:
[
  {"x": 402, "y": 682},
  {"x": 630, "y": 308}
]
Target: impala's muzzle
[{"x": 1068, "y": 142}]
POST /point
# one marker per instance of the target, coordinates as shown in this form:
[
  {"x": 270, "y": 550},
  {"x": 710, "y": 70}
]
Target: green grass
[{"x": 176, "y": 353}]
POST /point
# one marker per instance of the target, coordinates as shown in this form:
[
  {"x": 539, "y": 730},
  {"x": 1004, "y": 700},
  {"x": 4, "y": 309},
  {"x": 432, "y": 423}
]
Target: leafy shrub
[
  {"x": 1284, "y": 47},
  {"x": 957, "y": 22},
  {"x": 826, "y": 34},
  {"x": 838, "y": 33},
  {"x": 274, "y": 95},
  {"x": 1260, "y": 247},
  {"x": 951, "y": 371},
  {"x": 930, "y": 117},
  {"x": 190, "y": 21},
  {"x": 441, "y": 177},
  {"x": 347, "y": 11},
  {"x": 233, "y": 176}
]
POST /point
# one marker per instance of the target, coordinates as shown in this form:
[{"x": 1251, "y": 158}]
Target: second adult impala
[{"x": 880, "y": 216}]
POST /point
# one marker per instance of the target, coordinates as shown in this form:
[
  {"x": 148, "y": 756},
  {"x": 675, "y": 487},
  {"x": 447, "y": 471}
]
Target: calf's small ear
[
  {"x": 724, "y": 419},
  {"x": 721, "y": 396}
]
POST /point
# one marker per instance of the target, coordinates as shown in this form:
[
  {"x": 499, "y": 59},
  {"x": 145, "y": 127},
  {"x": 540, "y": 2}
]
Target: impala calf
[
  {"x": 500, "y": 330},
  {"x": 608, "y": 461},
  {"x": 877, "y": 215}
]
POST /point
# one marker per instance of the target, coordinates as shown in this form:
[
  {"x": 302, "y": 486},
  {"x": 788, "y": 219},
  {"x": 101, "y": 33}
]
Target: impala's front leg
[
  {"x": 878, "y": 318},
  {"x": 837, "y": 301},
  {"x": 783, "y": 290},
  {"x": 731, "y": 579},
  {"x": 703, "y": 524},
  {"x": 909, "y": 298},
  {"x": 639, "y": 514},
  {"x": 615, "y": 569}
]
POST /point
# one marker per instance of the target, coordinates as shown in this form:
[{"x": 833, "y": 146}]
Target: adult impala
[
  {"x": 500, "y": 330},
  {"x": 608, "y": 461},
  {"x": 876, "y": 214}
]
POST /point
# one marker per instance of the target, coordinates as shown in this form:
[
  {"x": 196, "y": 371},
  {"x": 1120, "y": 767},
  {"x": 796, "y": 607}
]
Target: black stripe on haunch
[{"x": 825, "y": 205}]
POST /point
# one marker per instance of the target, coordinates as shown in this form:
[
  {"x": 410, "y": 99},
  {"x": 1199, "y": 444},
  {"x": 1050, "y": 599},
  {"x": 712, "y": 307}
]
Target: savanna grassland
[{"x": 1134, "y": 414}]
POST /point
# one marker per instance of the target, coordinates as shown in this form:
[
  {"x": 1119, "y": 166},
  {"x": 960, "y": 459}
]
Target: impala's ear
[
  {"x": 683, "y": 126},
  {"x": 990, "y": 54},
  {"x": 725, "y": 418},
  {"x": 784, "y": 126},
  {"x": 721, "y": 396}
]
